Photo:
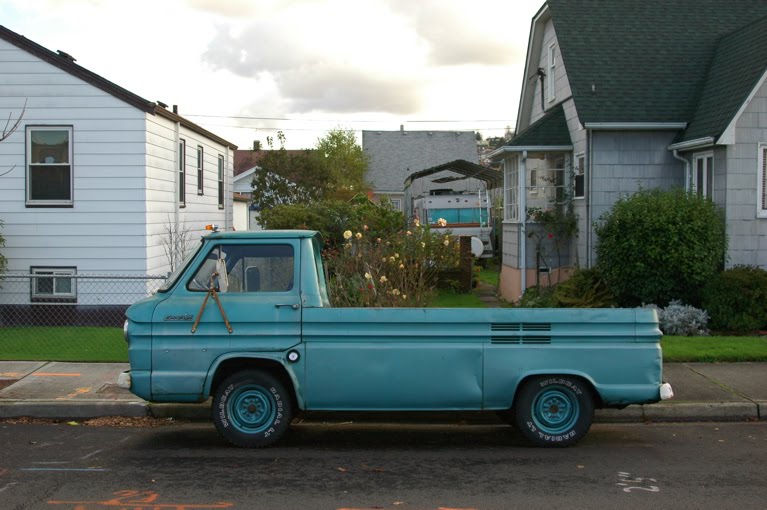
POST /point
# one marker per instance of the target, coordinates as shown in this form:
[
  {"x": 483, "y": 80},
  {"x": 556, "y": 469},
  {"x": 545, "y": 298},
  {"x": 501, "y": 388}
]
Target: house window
[
  {"x": 551, "y": 66},
  {"x": 182, "y": 173},
  {"x": 579, "y": 173},
  {"x": 54, "y": 284},
  {"x": 511, "y": 178},
  {"x": 200, "y": 189},
  {"x": 761, "y": 209},
  {"x": 49, "y": 166},
  {"x": 220, "y": 182},
  {"x": 703, "y": 174}
]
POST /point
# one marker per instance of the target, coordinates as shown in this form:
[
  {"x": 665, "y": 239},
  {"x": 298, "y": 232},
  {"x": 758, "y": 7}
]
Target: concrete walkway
[{"x": 57, "y": 390}]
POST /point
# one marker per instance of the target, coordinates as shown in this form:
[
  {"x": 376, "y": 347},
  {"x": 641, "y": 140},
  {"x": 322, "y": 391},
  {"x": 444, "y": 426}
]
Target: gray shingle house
[
  {"x": 394, "y": 155},
  {"x": 624, "y": 94}
]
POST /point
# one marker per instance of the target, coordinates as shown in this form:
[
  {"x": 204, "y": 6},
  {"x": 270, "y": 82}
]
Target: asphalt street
[{"x": 372, "y": 466}]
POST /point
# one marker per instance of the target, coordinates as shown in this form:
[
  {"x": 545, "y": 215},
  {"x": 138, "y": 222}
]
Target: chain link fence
[{"x": 56, "y": 315}]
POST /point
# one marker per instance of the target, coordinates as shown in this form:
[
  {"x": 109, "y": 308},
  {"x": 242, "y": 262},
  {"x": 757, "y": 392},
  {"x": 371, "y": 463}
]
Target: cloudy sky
[{"x": 246, "y": 68}]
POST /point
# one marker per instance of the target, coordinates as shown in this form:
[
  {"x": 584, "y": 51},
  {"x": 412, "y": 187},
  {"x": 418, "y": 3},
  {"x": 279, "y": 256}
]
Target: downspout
[
  {"x": 686, "y": 168},
  {"x": 522, "y": 173},
  {"x": 589, "y": 197}
]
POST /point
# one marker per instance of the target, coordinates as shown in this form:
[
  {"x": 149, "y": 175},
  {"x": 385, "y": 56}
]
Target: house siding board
[
  {"x": 102, "y": 127},
  {"x": 631, "y": 162},
  {"x": 394, "y": 155},
  {"x": 747, "y": 234}
]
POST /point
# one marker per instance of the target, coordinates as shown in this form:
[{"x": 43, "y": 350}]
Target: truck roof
[{"x": 262, "y": 234}]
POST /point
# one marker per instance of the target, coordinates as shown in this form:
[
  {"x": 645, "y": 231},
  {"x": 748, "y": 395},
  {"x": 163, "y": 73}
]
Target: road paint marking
[
  {"x": 12, "y": 375},
  {"x": 140, "y": 500},
  {"x": 91, "y": 454},
  {"x": 78, "y": 391},
  {"x": 628, "y": 484},
  {"x": 53, "y": 374},
  {"x": 82, "y": 470},
  {"x": 8, "y": 486}
]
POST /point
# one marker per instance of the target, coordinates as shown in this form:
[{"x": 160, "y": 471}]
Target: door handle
[{"x": 294, "y": 306}]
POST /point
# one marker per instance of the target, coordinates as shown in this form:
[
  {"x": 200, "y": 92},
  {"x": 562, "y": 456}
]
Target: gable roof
[
  {"x": 738, "y": 66},
  {"x": 549, "y": 130},
  {"x": 465, "y": 169},
  {"x": 66, "y": 63},
  {"x": 656, "y": 60}
]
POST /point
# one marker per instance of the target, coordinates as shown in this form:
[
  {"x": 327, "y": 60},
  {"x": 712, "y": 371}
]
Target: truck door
[{"x": 256, "y": 283}]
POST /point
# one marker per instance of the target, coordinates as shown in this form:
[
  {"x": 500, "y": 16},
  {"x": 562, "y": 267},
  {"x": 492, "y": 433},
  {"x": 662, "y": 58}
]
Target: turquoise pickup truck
[{"x": 246, "y": 320}]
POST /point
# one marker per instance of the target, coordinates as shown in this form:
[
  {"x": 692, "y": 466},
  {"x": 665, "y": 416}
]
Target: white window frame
[
  {"x": 396, "y": 203},
  {"x": 54, "y": 202},
  {"x": 579, "y": 171},
  {"x": 695, "y": 185},
  {"x": 221, "y": 190},
  {"x": 200, "y": 170},
  {"x": 181, "y": 172},
  {"x": 55, "y": 273},
  {"x": 761, "y": 184},
  {"x": 511, "y": 188},
  {"x": 551, "y": 66}
]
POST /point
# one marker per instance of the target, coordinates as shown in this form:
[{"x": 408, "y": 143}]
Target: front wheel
[
  {"x": 252, "y": 409},
  {"x": 554, "y": 411}
]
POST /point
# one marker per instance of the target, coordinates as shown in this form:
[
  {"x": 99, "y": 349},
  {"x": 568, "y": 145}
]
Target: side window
[
  {"x": 49, "y": 166},
  {"x": 246, "y": 268},
  {"x": 54, "y": 284}
]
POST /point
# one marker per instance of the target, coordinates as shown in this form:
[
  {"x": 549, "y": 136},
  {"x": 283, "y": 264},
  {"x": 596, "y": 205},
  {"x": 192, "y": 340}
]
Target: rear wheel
[
  {"x": 252, "y": 409},
  {"x": 554, "y": 410}
]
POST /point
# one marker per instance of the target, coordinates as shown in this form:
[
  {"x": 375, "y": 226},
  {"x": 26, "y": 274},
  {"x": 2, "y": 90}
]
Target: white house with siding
[{"x": 95, "y": 176}]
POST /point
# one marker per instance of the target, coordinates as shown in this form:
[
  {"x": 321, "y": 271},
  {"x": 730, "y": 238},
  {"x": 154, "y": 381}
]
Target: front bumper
[{"x": 124, "y": 380}]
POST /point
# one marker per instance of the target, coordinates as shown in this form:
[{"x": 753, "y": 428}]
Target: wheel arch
[
  {"x": 590, "y": 385},
  {"x": 275, "y": 365}
]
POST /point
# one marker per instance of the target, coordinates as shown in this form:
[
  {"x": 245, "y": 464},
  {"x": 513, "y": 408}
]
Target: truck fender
[
  {"x": 274, "y": 358},
  {"x": 533, "y": 373}
]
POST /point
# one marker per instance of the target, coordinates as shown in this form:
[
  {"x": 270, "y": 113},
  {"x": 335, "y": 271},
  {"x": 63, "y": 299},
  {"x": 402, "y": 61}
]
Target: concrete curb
[{"x": 661, "y": 412}]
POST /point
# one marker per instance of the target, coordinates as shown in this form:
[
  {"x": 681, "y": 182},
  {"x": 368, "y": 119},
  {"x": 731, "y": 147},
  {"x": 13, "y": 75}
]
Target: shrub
[
  {"x": 398, "y": 270},
  {"x": 655, "y": 246},
  {"x": 584, "y": 289},
  {"x": 537, "y": 297},
  {"x": 332, "y": 217},
  {"x": 678, "y": 319},
  {"x": 736, "y": 299}
]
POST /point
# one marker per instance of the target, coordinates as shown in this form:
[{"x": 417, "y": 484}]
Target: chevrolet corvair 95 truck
[{"x": 246, "y": 320}]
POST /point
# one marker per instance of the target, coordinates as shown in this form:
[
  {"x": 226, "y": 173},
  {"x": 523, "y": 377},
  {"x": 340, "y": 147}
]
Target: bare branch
[{"x": 8, "y": 132}]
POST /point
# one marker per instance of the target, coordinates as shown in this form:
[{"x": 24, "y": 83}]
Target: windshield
[{"x": 179, "y": 269}]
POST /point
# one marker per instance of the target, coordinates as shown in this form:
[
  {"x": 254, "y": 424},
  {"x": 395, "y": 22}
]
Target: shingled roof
[
  {"x": 549, "y": 130},
  {"x": 687, "y": 61}
]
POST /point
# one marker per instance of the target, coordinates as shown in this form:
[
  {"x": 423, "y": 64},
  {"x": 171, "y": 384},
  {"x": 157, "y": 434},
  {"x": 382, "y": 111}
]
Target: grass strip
[
  {"x": 63, "y": 344},
  {"x": 710, "y": 349}
]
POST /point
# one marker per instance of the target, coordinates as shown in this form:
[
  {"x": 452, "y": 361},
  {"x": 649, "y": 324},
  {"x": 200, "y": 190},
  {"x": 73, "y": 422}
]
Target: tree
[
  {"x": 335, "y": 169},
  {"x": 286, "y": 177},
  {"x": 344, "y": 164}
]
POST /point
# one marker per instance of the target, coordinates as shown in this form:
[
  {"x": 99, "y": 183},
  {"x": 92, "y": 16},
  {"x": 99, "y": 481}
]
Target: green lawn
[
  {"x": 714, "y": 348},
  {"x": 62, "y": 344},
  {"x": 447, "y": 299},
  {"x": 107, "y": 344}
]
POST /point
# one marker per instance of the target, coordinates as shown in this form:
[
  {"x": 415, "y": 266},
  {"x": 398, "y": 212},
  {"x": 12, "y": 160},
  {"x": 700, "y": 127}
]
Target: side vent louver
[{"x": 516, "y": 333}]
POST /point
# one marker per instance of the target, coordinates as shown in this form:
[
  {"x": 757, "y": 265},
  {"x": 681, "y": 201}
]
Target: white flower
[
  {"x": 368, "y": 276},
  {"x": 347, "y": 234},
  {"x": 358, "y": 235},
  {"x": 383, "y": 279},
  {"x": 446, "y": 242},
  {"x": 442, "y": 222},
  {"x": 395, "y": 292}
]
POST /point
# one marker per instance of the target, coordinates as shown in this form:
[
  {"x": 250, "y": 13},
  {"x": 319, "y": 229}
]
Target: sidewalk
[{"x": 58, "y": 390}]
